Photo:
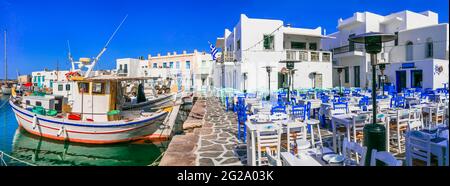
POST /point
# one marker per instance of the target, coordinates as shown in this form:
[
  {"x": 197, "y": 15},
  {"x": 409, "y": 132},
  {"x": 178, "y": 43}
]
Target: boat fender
[
  {"x": 60, "y": 132},
  {"x": 35, "y": 121}
]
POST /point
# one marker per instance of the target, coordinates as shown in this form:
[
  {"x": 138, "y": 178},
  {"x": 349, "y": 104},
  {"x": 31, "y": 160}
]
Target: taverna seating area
[{"x": 319, "y": 127}]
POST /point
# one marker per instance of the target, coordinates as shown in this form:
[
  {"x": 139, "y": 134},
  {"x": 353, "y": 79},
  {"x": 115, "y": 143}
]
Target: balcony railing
[
  {"x": 227, "y": 56},
  {"x": 347, "y": 48},
  {"x": 308, "y": 55}
]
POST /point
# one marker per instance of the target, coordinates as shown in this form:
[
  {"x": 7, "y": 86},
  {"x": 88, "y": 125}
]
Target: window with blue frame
[
  {"x": 164, "y": 65},
  {"x": 178, "y": 65},
  {"x": 188, "y": 65},
  {"x": 171, "y": 64},
  {"x": 155, "y": 65}
]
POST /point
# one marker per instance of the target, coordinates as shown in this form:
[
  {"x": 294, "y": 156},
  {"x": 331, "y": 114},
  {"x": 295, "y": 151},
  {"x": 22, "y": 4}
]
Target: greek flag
[{"x": 213, "y": 51}]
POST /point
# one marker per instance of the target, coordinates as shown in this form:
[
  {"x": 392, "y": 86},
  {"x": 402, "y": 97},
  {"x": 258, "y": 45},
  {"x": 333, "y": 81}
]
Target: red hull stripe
[{"x": 82, "y": 132}]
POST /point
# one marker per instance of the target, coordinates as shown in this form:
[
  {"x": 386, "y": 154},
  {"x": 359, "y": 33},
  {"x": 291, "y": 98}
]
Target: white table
[
  {"x": 343, "y": 119},
  {"x": 289, "y": 159}
]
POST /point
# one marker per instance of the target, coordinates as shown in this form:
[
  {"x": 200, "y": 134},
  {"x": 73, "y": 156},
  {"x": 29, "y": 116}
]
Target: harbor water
[{"x": 35, "y": 150}]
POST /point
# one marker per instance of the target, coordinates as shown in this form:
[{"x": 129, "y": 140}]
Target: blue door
[{"x": 400, "y": 77}]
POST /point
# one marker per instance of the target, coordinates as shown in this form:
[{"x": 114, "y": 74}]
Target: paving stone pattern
[{"x": 218, "y": 144}]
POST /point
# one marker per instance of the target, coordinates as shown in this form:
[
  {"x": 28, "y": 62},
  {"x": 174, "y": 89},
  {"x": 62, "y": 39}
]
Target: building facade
[
  {"x": 46, "y": 78},
  {"x": 254, "y": 44},
  {"x": 192, "y": 71},
  {"x": 412, "y": 59}
]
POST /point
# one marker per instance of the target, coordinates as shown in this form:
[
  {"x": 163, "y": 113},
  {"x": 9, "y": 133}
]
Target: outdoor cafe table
[
  {"x": 315, "y": 103},
  {"x": 342, "y": 119},
  {"x": 305, "y": 159},
  {"x": 429, "y": 108},
  {"x": 327, "y": 109}
]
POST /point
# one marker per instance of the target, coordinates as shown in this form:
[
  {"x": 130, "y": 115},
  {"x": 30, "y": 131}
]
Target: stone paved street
[{"x": 218, "y": 144}]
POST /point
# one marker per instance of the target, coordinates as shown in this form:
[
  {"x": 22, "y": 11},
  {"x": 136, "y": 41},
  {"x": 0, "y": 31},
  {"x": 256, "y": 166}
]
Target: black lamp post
[
  {"x": 382, "y": 68},
  {"x": 268, "y": 70},
  {"x": 374, "y": 134},
  {"x": 339, "y": 70}
]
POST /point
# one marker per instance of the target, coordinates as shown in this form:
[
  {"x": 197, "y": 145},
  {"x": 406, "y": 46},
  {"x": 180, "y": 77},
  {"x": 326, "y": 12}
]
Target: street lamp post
[
  {"x": 382, "y": 68},
  {"x": 374, "y": 134},
  {"x": 245, "y": 79},
  {"x": 339, "y": 70}
]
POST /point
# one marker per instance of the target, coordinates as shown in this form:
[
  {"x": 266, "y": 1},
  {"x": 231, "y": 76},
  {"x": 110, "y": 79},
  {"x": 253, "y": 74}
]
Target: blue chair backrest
[
  {"x": 303, "y": 96},
  {"x": 340, "y": 106},
  {"x": 346, "y": 92},
  {"x": 398, "y": 102},
  {"x": 278, "y": 109},
  {"x": 293, "y": 101},
  {"x": 299, "y": 112},
  {"x": 336, "y": 99},
  {"x": 325, "y": 98}
]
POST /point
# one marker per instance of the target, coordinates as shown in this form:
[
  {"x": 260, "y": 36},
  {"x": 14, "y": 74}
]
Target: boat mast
[
  {"x": 70, "y": 57},
  {"x": 6, "y": 63},
  {"x": 91, "y": 67}
]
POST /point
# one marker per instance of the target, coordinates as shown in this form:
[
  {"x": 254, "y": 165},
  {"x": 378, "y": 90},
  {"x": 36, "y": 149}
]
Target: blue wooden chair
[
  {"x": 340, "y": 107},
  {"x": 278, "y": 109},
  {"x": 363, "y": 103},
  {"x": 303, "y": 96},
  {"x": 293, "y": 101},
  {"x": 325, "y": 99},
  {"x": 299, "y": 112}
]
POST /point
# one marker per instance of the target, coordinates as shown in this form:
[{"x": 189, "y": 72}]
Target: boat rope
[
  {"x": 2, "y": 154},
  {"x": 157, "y": 160}
]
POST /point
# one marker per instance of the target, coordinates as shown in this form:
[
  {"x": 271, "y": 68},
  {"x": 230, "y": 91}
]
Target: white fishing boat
[
  {"x": 93, "y": 116},
  {"x": 92, "y": 111}
]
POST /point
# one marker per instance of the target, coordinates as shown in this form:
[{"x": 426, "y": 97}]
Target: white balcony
[
  {"x": 227, "y": 56},
  {"x": 344, "y": 51},
  {"x": 308, "y": 55}
]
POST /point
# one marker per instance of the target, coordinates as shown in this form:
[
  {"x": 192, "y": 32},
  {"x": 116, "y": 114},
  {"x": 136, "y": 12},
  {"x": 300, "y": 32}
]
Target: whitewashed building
[
  {"x": 417, "y": 58},
  {"x": 192, "y": 71},
  {"x": 255, "y": 43},
  {"x": 46, "y": 78}
]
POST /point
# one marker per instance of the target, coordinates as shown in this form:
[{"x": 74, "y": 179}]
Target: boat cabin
[
  {"x": 48, "y": 102},
  {"x": 96, "y": 98}
]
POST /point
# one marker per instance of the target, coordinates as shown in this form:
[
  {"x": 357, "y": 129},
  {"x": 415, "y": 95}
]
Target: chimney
[
  {"x": 195, "y": 50},
  {"x": 174, "y": 53},
  {"x": 184, "y": 51},
  {"x": 168, "y": 53},
  {"x": 149, "y": 56},
  {"x": 159, "y": 54}
]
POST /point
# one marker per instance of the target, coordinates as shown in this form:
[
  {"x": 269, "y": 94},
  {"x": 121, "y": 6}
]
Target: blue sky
[{"x": 38, "y": 30}]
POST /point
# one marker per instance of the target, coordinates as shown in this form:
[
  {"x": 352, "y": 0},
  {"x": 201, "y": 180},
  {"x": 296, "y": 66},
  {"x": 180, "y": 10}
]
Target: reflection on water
[{"x": 42, "y": 151}]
